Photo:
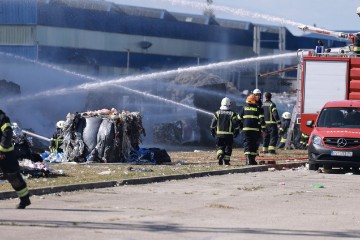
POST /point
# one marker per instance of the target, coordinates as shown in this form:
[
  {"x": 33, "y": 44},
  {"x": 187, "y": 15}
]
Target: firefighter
[
  {"x": 225, "y": 127},
  {"x": 357, "y": 44},
  {"x": 57, "y": 138},
  {"x": 259, "y": 105},
  {"x": 9, "y": 163},
  {"x": 272, "y": 122},
  {"x": 250, "y": 125},
  {"x": 304, "y": 141},
  {"x": 283, "y": 130}
]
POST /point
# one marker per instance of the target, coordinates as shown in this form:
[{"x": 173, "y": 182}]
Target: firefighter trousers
[
  {"x": 271, "y": 137},
  {"x": 10, "y": 167},
  {"x": 250, "y": 142},
  {"x": 224, "y": 145}
]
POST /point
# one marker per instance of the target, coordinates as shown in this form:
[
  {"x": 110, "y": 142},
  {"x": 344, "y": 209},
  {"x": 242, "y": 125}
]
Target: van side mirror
[{"x": 310, "y": 123}]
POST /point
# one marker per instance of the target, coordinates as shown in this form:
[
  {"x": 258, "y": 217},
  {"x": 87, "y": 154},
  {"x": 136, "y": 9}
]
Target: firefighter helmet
[
  {"x": 225, "y": 103},
  {"x": 286, "y": 115},
  {"x": 358, "y": 11},
  {"x": 268, "y": 95},
  {"x": 257, "y": 91},
  {"x": 60, "y": 124},
  {"x": 251, "y": 99}
]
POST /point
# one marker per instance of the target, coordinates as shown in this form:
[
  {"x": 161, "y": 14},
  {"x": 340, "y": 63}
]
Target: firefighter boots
[
  {"x": 272, "y": 152},
  {"x": 252, "y": 160},
  {"x": 24, "y": 202},
  {"x": 247, "y": 159},
  {"x": 227, "y": 162},
  {"x": 220, "y": 158}
]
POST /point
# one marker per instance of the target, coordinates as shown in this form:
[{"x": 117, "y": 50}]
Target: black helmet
[{"x": 268, "y": 95}]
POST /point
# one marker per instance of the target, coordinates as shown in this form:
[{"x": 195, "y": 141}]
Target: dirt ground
[{"x": 288, "y": 204}]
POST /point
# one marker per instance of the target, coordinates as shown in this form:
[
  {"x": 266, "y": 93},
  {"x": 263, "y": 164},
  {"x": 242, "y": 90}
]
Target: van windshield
[{"x": 344, "y": 117}]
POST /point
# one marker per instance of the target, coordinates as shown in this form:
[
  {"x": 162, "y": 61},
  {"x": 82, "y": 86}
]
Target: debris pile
[
  {"x": 102, "y": 136},
  {"x": 169, "y": 133}
]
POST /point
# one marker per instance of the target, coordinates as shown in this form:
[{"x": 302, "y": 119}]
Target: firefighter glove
[{"x": 2, "y": 156}]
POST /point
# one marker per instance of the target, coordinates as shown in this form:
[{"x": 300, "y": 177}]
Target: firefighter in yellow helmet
[
  {"x": 225, "y": 127},
  {"x": 57, "y": 138},
  {"x": 251, "y": 124},
  {"x": 9, "y": 163}
]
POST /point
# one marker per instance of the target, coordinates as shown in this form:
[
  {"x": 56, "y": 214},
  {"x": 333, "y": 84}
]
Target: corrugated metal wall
[
  {"x": 17, "y": 35},
  {"x": 29, "y": 52},
  {"x": 18, "y": 12}
]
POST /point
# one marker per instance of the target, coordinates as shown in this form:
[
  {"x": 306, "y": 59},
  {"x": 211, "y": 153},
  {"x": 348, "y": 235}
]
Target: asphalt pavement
[{"x": 292, "y": 203}]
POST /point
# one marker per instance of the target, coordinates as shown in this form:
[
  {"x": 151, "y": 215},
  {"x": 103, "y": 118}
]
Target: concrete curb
[{"x": 85, "y": 186}]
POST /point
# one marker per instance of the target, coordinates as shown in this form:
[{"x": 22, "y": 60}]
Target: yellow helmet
[{"x": 251, "y": 99}]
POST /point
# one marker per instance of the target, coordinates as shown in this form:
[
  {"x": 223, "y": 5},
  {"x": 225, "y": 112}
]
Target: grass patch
[{"x": 182, "y": 163}]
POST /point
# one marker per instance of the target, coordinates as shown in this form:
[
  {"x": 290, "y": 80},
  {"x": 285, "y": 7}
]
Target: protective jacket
[
  {"x": 224, "y": 122},
  {"x": 272, "y": 119},
  {"x": 56, "y": 141},
  {"x": 270, "y": 112},
  {"x": 251, "y": 124},
  {"x": 283, "y": 132},
  {"x": 357, "y": 43},
  {"x": 6, "y": 134},
  {"x": 9, "y": 164},
  {"x": 225, "y": 126},
  {"x": 250, "y": 118}
]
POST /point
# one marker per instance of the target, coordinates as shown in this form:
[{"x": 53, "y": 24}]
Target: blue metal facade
[
  {"x": 123, "y": 19},
  {"x": 29, "y": 52},
  {"x": 18, "y": 11},
  {"x": 134, "y": 25}
]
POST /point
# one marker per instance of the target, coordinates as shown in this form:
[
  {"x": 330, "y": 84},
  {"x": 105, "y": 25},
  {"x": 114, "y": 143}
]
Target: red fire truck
[
  {"x": 330, "y": 106},
  {"x": 327, "y": 76},
  {"x": 324, "y": 79}
]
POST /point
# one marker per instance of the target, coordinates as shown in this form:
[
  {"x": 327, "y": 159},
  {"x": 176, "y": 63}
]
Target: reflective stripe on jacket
[
  {"x": 249, "y": 117},
  {"x": 224, "y": 122},
  {"x": 270, "y": 112}
]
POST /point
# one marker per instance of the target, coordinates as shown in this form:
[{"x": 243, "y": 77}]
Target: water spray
[
  {"x": 36, "y": 136},
  {"x": 234, "y": 11},
  {"x": 100, "y": 84}
]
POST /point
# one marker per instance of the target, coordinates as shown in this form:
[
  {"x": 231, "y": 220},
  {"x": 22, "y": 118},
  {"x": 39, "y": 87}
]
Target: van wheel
[{"x": 313, "y": 166}]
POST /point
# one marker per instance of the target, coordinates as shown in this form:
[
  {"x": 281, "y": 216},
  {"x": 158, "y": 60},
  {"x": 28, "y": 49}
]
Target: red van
[{"x": 335, "y": 138}]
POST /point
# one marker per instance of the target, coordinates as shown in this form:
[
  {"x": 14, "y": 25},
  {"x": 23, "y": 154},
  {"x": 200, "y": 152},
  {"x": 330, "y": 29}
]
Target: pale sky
[{"x": 327, "y": 14}]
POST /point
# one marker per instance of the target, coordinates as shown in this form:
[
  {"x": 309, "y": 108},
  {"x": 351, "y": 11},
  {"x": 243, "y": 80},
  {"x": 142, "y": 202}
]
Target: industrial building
[{"x": 105, "y": 39}]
